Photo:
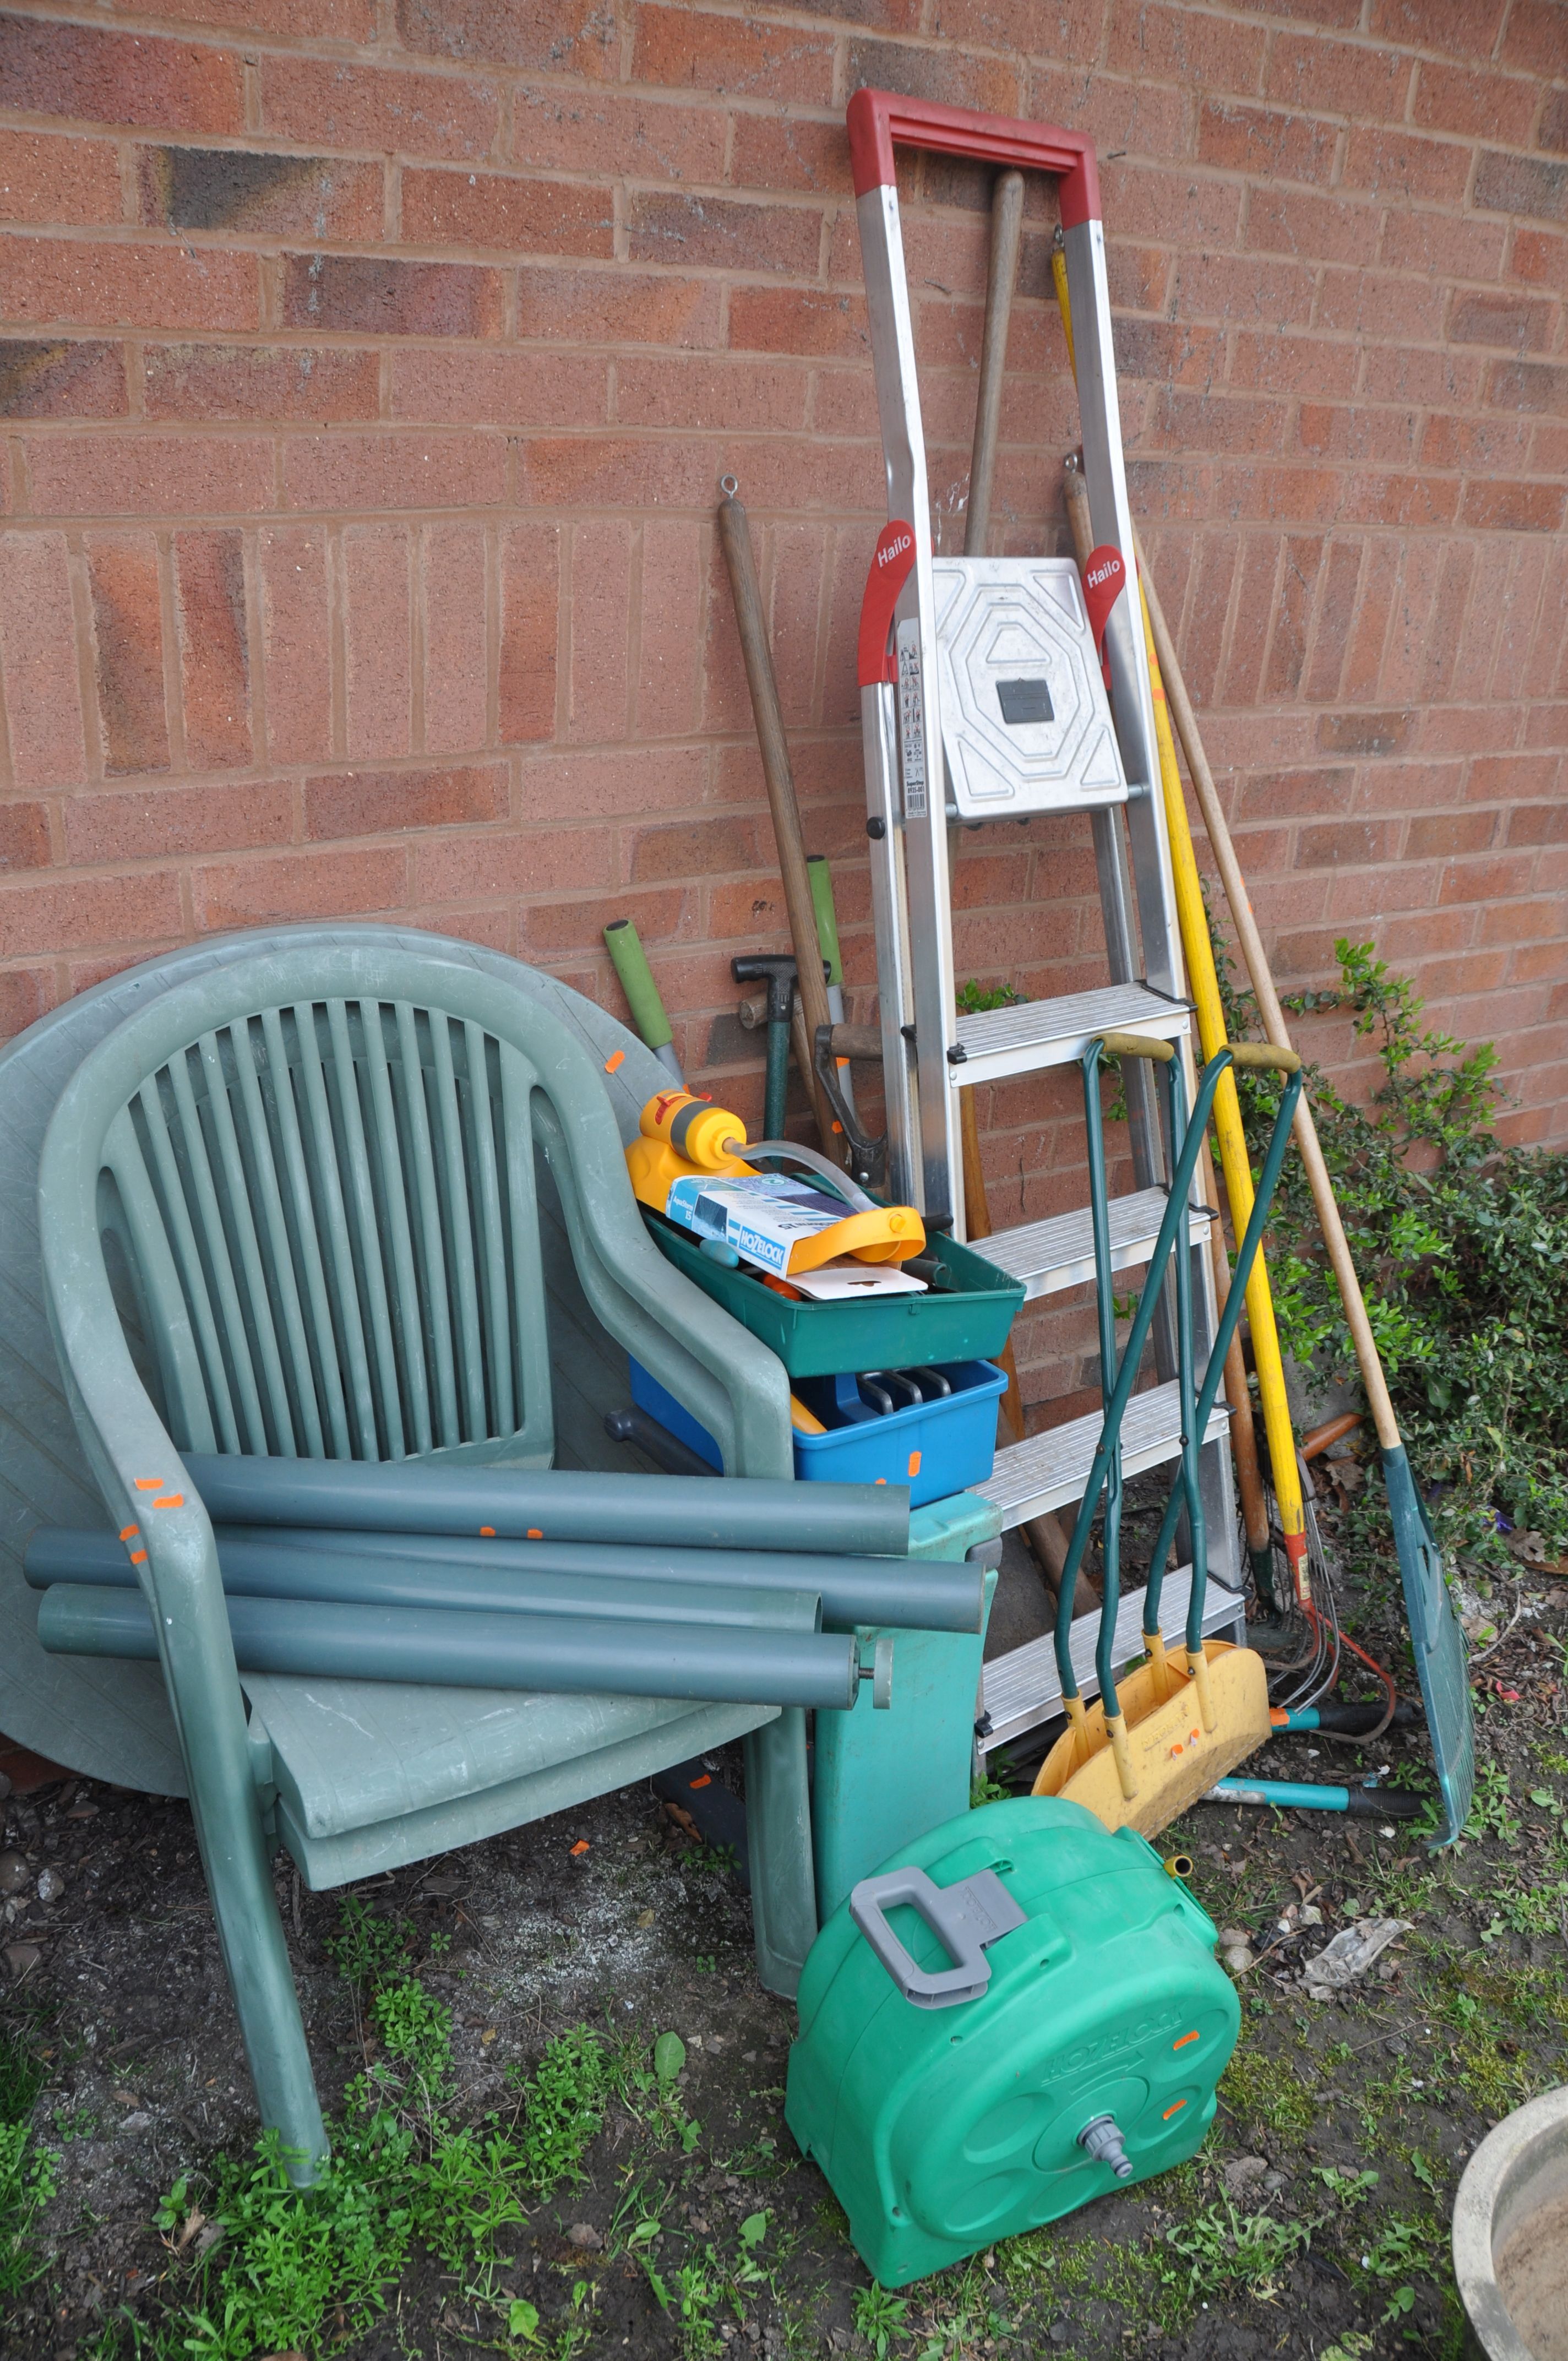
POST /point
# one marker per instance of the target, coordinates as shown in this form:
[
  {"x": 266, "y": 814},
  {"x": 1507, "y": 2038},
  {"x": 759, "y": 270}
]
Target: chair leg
[
  {"x": 778, "y": 1836},
  {"x": 239, "y": 1878}
]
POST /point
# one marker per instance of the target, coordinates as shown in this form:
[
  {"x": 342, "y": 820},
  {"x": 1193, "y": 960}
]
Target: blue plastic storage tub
[{"x": 936, "y": 1447}]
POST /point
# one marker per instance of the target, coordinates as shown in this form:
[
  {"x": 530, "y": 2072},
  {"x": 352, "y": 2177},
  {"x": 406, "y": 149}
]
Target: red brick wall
[{"x": 369, "y": 366}]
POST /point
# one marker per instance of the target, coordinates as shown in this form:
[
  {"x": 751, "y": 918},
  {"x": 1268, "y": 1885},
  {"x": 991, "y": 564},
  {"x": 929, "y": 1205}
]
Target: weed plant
[
  {"x": 1461, "y": 1247},
  {"x": 27, "y": 2170}
]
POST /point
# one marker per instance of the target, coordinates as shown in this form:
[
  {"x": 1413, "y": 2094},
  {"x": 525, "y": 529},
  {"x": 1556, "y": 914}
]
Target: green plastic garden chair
[{"x": 290, "y": 1207}]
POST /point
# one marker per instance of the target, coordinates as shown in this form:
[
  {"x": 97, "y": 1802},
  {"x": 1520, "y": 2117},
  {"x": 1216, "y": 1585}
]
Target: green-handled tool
[
  {"x": 821, "y": 882},
  {"x": 630, "y": 964}
]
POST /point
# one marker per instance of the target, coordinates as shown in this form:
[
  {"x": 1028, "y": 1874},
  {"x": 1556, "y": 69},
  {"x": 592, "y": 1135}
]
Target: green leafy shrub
[{"x": 1461, "y": 1247}]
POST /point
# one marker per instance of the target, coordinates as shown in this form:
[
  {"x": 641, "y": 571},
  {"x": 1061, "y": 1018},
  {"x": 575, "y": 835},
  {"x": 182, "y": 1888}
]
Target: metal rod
[{"x": 556, "y": 1504}]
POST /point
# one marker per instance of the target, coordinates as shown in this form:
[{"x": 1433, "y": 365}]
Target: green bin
[{"x": 967, "y": 1320}]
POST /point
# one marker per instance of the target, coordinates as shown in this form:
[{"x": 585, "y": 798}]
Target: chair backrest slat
[
  {"x": 252, "y": 1128},
  {"x": 304, "y": 1237},
  {"x": 330, "y": 1211}
]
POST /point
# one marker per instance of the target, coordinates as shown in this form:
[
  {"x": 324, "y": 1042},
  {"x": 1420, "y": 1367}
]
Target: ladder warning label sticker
[{"x": 911, "y": 721}]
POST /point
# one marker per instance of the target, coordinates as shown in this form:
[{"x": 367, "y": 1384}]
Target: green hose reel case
[{"x": 1037, "y": 2019}]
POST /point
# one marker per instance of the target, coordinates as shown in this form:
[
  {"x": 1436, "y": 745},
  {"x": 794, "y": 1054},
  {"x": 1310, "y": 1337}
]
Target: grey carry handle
[{"x": 963, "y": 1917}]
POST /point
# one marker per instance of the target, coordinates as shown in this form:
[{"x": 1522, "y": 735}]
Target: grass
[{"x": 27, "y": 2170}]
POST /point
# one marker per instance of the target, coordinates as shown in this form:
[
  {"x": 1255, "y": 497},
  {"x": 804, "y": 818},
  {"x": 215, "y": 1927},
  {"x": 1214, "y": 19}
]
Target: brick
[
  {"x": 531, "y": 594},
  {"x": 1465, "y": 28},
  {"x": 703, "y": 394},
  {"x": 372, "y": 295},
  {"x": 165, "y": 822},
  {"x": 677, "y": 48},
  {"x": 1300, "y": 560},
  {"x": 23, "y": 836},
  {"x": 1069, "y": 29},
  {"x": 148, "y": 287},
  {"x": 128, "y": 643},
  {"x": 645, "y": 137},
  {"x": 1168, "y": 352},
  {"x": 321, "y": 20},
  {"x": 56, "y": 179},
  {"x": 1286, "y": 364},
  {"x": 150, "y": 475},
  {"x": 517, "y": 215},
  {"x": 1509, "y": 779},
  {"x": 534, "y": 859},
  {"x": 1258, "y": 140},
  {"x": 1349, "y": 78},
  {"x": 616, "y": 471},
  {"x": 1331, "y": 633},
  {"x": 620, "y": 783},
  {"x": 1553, "y": 128},
  {"x": 1539, "y": 387},
  {"x": 799, "y": 320},
  {"x": 1497, "y": 880},
  {"x": 38, "y": 661},
  {"x": 1138, "y": 278},
  {"x": 50, "y": 68},
  {"x": 1532, "y": 37},
  {"x": 599, "y": 632},
  {"x": 215, "y": 649},
  {"x": 1488, "y": 105},
  {"x": 1236, "y": 289},
  {"x": 1364, "y": 734},
  {"x": 990, "y": 85},
  {"x": 670, "y": 632},
  {"x": 1357, "y": 430},
  {"x": 1381, "y": 304},
  {"x": 25, "y": 994},
  {"x": 55, "y": 377},
  {"x": 1400, "y": 164},
  {"x": 1314, "y": 229},
  {"x": 394, "y": 470},
  {"x": 1521, "y": 185},
  {"x": 574, "y": 37},
  {"x": 1147, "y": 202},
  {"x": 1452, "y": 247},
  {"x": 1168, "y": 44},
  {"x": 1513, "y": 508},
  {"x": 1143, "y": 118},
  {"x": 464, "y": 388},
  {"x": 260, "y": 382},
  {"x": 1391, "y": 374},
  {"x": 1538, "y": 824},
  {"x": 273, "y": 888},
  {"x": 1491, "y": 443},
  {"x": 1441, "y": 833},
  {"x": 1294, "y": 795},
  {"x": 694, "y": 849},
  {"x": 452, "y": 581},
  {"x": 1398, "y": 499},
  {"x": 620, "y": 307},
  {"x": 82, "y": 911},
  {"x": 376, "y": 569},
  {"x": 775, "y": 152},
  {"x": 1520, "y": 321},
  {"x": 1239, "y": 680},
  {"x": 717, "y": 232},
  {"x": 231, "y": 189},
  {"x": 385, "y": 111},
  {"x": 296, "y": 642},
  {"x": 1202, "y": 422},
  {"x": 384, "y": 803},
  {"x": 1540, "y": 258}
]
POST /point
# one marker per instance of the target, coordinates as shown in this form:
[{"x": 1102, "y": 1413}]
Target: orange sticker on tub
[
  {"x": 487, "y": 1532},
  {"x": 915, "y": 1463},
  {"x": 536, "y": 1532},
  {"x": 611, "y": 1064},
  {"x": 150, "y": 1483},
  {"x": 130, "y": 1532},
  {"x": 1174, "y": 2109},
  {"x": 171, "y": 1501},
  {"x": 138, "y": 1557},
  {"x": 1184, "y": 2041}
]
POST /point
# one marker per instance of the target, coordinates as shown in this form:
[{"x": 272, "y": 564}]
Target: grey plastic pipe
[
  {"x": 556, "y": 1504},
  {"x": 900, "y": 1593},
  {"x": 324, "y": 1639},
  {"x": 260, "y": 1570}
]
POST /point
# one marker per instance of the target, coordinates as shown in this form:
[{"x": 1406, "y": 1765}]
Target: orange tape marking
[
  {"x": 1184, "y": 2041},
  {"x": 171, "y": 1501},
  {"x": 138, "y": 1557},
  {"x": 582, "y": 1846},
  {"x": 487, "y": 1532},
  {"x": 535, "y": 1533},
  {"x": 610, "y": 1064},
  {"x": 705, "y": 1781},
  {"x": 915, "y": 1463},
  {"x": 1173, "y": 2111},
  {"x": 128, "y": 1532},
  {"x": 150, "y": 1483}
]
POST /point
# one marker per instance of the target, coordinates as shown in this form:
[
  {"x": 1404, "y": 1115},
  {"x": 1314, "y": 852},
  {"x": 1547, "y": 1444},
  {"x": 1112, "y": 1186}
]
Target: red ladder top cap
[{"x": 877, "y": 118}]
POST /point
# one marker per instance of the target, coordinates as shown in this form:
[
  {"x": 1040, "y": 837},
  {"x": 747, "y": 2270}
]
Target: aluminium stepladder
[{"x": 983, "y": 699}]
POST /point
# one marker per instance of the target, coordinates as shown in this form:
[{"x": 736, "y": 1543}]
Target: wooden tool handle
[
  {"x": 1006, "y": 229},
  {"x": 735, "y": 534},
  {"x": 1273, "y": 1016}
]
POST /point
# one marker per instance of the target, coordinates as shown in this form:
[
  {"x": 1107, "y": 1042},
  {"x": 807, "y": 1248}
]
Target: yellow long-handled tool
[{"x": 1203, "y": 982}]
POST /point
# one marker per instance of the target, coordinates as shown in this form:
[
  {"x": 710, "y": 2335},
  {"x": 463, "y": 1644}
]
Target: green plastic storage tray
[{"x": 966, "y": 1321}]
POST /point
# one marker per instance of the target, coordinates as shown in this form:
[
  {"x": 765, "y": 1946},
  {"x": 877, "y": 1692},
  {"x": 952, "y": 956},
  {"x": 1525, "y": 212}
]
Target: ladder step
[
  {"x": 1023, "y": 1688},
  {"x": 1050, "y": 1256},
  {"x": 1040, "y": 1033},
  {"x": 1048, "y": 1470}
]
